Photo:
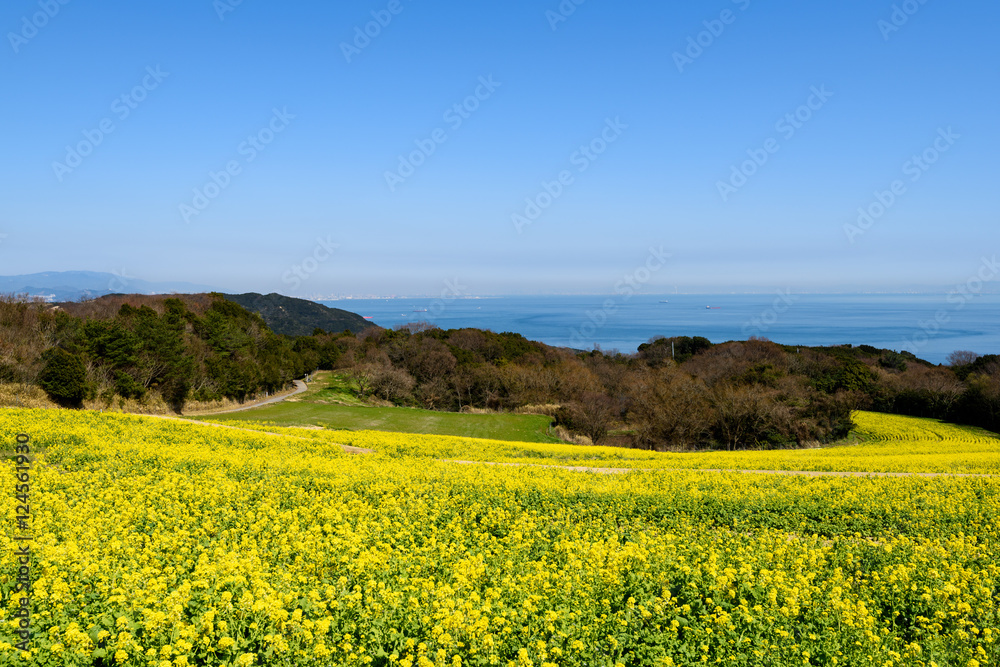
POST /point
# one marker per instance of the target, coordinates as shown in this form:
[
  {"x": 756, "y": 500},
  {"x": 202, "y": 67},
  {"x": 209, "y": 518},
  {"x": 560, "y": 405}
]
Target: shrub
[{"x": 63, "y": 377}]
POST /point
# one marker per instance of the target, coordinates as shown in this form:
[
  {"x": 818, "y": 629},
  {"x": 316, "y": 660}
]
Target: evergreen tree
[{"x": 63, "y": 377}]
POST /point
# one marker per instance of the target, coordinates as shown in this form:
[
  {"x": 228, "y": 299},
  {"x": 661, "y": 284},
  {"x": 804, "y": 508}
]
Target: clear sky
[{"x": 516, "y": 147}]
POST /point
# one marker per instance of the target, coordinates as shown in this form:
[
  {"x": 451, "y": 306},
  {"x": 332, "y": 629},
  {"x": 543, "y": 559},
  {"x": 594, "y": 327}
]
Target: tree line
[
  {"x": 204, "y": 348},
  {"x": 679, "y": 393}
]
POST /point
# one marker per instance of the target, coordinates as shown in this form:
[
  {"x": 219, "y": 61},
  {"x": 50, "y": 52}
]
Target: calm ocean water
[{"x": 929, "y": 325}]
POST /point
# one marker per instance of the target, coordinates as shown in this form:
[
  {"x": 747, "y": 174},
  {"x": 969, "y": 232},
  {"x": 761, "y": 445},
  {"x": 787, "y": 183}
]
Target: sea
[{"x": 931, "y": 326}]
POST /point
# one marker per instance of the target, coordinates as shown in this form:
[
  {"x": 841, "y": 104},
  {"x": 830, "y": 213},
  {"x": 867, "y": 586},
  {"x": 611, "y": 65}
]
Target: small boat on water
[
  {"x": 664, "y": 301},
  {"x": 713, "y": 307},
  {"x": 420, "y": 310}
]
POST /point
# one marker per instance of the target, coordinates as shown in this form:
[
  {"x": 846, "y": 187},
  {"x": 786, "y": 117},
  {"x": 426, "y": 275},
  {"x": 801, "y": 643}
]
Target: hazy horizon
[
  {"x": 125, "y": 283},
  {"x": 391, "y": 147}
]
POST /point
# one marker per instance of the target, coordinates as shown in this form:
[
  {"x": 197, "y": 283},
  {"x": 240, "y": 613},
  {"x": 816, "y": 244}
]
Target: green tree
[{"x": 63, "y": 377}]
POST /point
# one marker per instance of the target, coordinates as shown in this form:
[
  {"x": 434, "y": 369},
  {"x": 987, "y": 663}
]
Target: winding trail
[{"x": 300, "y": 387}]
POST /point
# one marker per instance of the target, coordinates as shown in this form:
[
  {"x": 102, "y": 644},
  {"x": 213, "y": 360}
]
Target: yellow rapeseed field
[
  {"x": 891, "y": 443},
  {"x": 165, "y": 543}
]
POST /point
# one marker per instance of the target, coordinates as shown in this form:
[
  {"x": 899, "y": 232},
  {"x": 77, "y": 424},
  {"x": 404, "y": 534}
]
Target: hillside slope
[{"x": 299, "y": 317}]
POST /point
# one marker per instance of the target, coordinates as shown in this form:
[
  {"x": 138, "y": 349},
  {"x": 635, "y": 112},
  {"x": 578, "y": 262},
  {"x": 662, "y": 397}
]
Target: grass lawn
[
  {"x": 330, "y": 402},
  {"x": 523, "y": 428}
]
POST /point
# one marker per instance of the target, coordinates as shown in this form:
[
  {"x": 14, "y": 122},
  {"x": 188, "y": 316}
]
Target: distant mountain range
[{"x": 76, "y": 285}]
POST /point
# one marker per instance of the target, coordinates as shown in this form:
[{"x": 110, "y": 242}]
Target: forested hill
[
  {"x": 136, "y": 347},
  {"x": 298, "y": 317},
  {"x": 284, "y": 315}
]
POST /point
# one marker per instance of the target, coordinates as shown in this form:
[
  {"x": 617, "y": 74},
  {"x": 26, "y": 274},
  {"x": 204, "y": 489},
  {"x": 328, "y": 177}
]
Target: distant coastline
[{"x": 899, "y": 322}]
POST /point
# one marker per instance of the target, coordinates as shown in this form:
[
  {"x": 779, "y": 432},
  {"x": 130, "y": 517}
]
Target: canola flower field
[
  {"x": 891, "y": 444},
  {"x": 164, "y": 543}
]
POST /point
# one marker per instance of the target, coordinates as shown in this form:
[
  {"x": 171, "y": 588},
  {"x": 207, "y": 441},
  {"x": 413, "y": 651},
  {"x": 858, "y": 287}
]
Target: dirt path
[
  {"x": 300, "y": 387},
  {"x": 807, "y": 473},
  {"x": 347, "y": 448}
]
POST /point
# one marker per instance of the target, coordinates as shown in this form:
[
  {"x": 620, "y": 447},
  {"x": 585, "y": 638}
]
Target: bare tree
[
  {"x": 364, "y": 376},
  {"x": 671, "y": 408},
  {"x": 961, "y": 358},
  {"x": 391, "y": 383},
  {"x": 436, "y": 394},
  {"x": 746, "y": 415},
  {"x": 592, "y": 416}
]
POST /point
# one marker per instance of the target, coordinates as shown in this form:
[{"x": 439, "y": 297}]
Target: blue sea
[{"x": 930, "y": 326}]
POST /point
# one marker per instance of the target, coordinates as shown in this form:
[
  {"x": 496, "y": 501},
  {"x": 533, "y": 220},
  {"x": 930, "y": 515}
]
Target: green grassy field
[
  {"x": 331, "y": 403},
  {"x": 523, "y": 428}
]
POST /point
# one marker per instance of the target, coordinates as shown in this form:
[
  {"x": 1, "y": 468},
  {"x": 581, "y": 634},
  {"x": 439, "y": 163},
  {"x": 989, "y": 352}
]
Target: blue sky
[{"x": 670, "y": 98}]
